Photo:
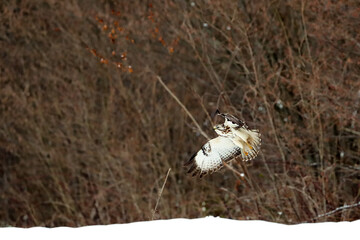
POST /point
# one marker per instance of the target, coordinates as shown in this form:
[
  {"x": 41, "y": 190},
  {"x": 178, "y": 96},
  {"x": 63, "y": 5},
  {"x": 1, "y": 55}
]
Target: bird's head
[{"x": 220, "y": 129}]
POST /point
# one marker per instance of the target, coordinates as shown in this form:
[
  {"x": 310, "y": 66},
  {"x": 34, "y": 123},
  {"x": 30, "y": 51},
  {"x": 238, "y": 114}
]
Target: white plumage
[
  {"x": 235, "y": 139},
  {"x": 211, "y": 156},
  {"x": 248, "y": 140}
]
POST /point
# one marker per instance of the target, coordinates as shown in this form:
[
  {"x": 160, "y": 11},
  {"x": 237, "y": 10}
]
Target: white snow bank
[{"x": 201, "y": 228}]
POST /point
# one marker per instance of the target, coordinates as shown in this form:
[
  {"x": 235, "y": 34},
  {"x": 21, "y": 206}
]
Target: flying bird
[
  {"x": 241, "y": 134},
  {"x": 234, "y": 139}
]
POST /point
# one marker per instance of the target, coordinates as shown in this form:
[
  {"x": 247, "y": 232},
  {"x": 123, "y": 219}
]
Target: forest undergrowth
[{"x": 99, "y": 99}]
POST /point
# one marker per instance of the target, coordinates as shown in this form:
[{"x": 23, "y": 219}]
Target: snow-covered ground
[{"x": 201, "y": 228}]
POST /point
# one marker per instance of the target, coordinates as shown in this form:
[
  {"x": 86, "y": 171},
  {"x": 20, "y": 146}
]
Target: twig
[
  {"x": 183, "y": 107},
  {"x": 337, "y": 209},
  {"x": 352, "y": 131},
  {"x": 160, "y": 193}
]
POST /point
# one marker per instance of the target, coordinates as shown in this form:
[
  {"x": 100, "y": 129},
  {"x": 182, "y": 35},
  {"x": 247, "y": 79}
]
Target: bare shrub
[{"x": 88, "y": 133}]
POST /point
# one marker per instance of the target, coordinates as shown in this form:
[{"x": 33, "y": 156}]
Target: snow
[{"x": 201, "y": 228}]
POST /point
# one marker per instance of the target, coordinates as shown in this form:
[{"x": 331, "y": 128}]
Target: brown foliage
[{"x": 87, "y": 132}]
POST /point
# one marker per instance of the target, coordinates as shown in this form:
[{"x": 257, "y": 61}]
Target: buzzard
[{"x": 234, "y": 139}]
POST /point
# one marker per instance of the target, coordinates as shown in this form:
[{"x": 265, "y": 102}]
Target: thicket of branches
[{"x": 88, "y": 132}]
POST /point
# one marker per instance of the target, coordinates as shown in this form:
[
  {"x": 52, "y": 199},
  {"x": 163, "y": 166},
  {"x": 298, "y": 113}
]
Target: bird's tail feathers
[
  {"x": 254, "y": 138},
  {"x": 251, "y": 146}
]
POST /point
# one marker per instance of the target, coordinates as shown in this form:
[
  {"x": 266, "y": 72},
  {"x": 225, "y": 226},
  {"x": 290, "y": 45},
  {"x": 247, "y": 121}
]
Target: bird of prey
[{"x": 234, "y": 139}]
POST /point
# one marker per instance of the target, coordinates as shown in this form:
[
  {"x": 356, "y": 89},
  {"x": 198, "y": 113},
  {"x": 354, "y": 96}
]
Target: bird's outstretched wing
[{"x": 211, "y": 156}]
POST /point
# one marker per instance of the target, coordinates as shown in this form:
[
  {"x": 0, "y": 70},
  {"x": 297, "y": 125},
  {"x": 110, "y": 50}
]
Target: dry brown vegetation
[{"x": 83, "y": 141}]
